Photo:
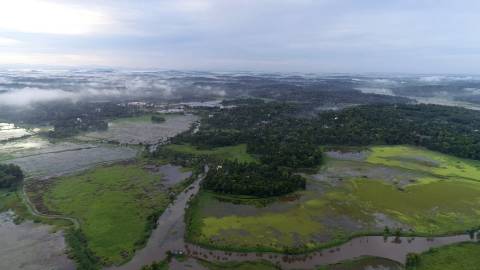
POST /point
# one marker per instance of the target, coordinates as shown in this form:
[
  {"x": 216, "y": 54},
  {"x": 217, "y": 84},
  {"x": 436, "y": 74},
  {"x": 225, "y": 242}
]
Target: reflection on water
[{"x": 39, "y": 157}]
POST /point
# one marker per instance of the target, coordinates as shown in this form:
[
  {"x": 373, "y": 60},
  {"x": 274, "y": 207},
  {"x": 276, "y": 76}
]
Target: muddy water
[
  {"x": 30, "y": 246},
  {"x": 375, "y": 246}
]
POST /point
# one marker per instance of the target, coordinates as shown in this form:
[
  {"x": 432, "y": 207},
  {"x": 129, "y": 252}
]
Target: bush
[{"x": 10, "y": 176}]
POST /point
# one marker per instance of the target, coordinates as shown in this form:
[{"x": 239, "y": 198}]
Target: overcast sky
[{"x": 412, "y": 36}]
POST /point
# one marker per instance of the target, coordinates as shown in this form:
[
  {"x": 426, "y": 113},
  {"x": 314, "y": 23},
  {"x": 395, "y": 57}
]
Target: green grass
[
  {"x": 436, "y": 207},
  {"x": 249, "y": 231},
  {"x": 112, "y": 204},
  {"x": 438, "y": 202},
  {"x": 10, "y": 200},
  {"x": 237, "y": 152},
  {"x": 418, "y": 159},
  {"x": 257, "y": 265},
  {"x": 463, "y": 256}
]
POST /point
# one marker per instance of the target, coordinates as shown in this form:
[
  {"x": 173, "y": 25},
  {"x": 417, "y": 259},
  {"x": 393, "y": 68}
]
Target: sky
[{"x": 351, "y": 36}]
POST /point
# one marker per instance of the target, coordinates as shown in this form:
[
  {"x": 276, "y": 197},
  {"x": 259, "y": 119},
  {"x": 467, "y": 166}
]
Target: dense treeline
[
  {"x": 231, "y": 177},
  {"x": 10, "y": 175},
  {"x": 157, "y": 119},
  {"x": 280, "y": 137},
  {"x": 450, "y": 130}
]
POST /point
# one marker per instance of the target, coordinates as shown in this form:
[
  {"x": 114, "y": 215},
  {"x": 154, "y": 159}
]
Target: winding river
[{"x": 170, "y": 232}]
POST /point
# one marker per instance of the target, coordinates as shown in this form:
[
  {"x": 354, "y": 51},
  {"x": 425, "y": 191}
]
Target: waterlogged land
[
  {"x": 116, "y": 205},
  {"x": 409, "y": 190},
  {"x": 31, "y": 246},
  {"x": 39, "y": 157},
  {"x": 141, "y": 130}
]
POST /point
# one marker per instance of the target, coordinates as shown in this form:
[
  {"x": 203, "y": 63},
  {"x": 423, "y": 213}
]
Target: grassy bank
[{"x": 455, "y": 257}]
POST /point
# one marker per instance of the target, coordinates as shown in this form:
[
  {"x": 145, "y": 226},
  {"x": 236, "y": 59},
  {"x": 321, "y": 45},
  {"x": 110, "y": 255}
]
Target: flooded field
[
  {"x": 72, "y": 160},
  {"x": 10, "y": 131},
  {"x": 138, "y": 130},
  {"x": 30, "y": 246},
  {"x": 171, "y": 174},
  {"x": 39, "y": 157},
  {"x": 408, "y": 190}
]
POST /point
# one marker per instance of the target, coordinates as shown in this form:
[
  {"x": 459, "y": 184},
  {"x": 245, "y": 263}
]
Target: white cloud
[
  {"x": 8, "y": 58},
  {"x": 8, "y": 41},
  {"x": 27, "y": 96},
  {"x": 37, "y": 16}
]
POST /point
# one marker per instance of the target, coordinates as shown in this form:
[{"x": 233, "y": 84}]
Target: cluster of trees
[
  {"x": 10, "y": 175},
  {"x": 232, "y": 177},
  {"x": 70, "y": 127},
  {"x": 158, "y": 119},
  {"x": 266, "y": 130}
]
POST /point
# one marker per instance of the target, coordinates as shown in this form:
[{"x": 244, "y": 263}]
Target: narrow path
[{"x": 31, "y": 208}]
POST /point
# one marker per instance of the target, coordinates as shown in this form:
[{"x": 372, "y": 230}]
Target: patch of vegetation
[
  {"x": 454, "y": 257},
  {"x": 237, "y": 152},
  {"x": 257, "y": 265},
  {"x": 417, "y": 159},
  {"x": 142, "y": 118},
  {"x": 232, "y": 177},
  {"x": 116, "y": 206},
  {"x": 162, "y": 265},
  {"x": 157, "y": 119},
  {"x": 364, "y": 263},
  {"x": 9, "y": 200}
]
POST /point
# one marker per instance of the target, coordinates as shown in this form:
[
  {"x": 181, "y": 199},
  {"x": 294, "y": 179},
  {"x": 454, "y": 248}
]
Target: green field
[
  {"x": 348, "y": 198},
  {"x": 237, "y": 152},
  {"x": 112, "y": 204},
  {"x": 455, "y": 257}
]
